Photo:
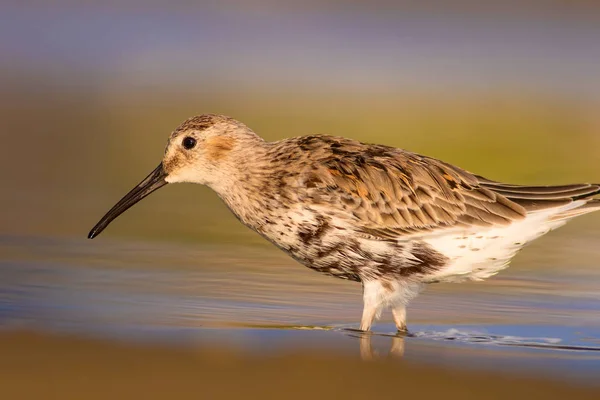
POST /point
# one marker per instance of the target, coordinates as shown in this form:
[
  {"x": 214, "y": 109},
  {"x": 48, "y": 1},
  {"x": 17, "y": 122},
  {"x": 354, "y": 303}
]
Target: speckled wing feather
[{"x": 394, "y": 193}]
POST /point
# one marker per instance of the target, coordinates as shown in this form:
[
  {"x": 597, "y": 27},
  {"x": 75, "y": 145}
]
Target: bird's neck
[{"x": 244, "y": 185}]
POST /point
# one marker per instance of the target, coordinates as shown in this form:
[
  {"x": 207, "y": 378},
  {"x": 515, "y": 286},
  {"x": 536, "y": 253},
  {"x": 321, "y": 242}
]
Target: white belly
[{"x": 479, "y": 254}]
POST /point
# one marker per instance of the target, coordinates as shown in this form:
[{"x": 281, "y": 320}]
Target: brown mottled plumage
[{"x": 388, "y": 218}]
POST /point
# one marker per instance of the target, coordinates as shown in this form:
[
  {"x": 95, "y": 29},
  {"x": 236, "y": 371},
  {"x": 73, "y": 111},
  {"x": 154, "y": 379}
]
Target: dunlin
[{"x": 388, "y": 218}]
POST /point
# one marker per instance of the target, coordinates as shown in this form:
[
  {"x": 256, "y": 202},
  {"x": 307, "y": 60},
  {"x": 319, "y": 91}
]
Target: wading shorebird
[{"x": 388, "y": 218}]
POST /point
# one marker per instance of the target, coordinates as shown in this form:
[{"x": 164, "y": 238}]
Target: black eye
[{"x": 189, "y": 142}]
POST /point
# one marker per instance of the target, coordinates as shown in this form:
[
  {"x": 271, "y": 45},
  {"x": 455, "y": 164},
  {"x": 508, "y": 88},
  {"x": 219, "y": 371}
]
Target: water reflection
[{"x": 367, "y": 352}]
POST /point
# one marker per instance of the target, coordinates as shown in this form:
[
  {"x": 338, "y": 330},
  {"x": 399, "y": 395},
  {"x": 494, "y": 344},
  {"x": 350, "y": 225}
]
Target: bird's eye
[{"x": 189, "y": 142}]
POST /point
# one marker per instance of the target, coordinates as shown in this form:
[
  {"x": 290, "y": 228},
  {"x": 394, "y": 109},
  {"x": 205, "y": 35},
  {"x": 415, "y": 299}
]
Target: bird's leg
[
  {"x": 373, "y": 302},
  {"x": 399, "y": 313},
  {"x": 368, "y": 315}
]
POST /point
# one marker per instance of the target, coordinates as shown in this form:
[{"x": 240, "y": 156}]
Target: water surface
[{"x": 534, "y": 318}]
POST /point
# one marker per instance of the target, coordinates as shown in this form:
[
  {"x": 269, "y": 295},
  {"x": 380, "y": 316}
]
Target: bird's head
[{"x": 200, "y": 150}]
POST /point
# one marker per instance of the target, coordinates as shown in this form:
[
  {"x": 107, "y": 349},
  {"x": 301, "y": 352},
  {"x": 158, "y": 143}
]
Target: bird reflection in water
[{"x": 367, "y": 353}]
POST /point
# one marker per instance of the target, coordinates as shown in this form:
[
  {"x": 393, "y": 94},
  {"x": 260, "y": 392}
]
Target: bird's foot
[{"x": 402, "y": 331}]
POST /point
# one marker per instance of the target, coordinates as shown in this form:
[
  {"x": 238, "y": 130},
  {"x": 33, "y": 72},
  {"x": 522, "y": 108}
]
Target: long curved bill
[{"x": 152, "y": 182}]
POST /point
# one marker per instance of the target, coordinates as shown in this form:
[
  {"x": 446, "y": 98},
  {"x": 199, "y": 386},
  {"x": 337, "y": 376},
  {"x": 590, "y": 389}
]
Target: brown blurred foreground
[{"x": 35, "y": 366}]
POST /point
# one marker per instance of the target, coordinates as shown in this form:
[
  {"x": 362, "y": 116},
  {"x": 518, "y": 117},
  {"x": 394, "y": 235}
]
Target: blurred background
[{"x": 89, "y": 93}]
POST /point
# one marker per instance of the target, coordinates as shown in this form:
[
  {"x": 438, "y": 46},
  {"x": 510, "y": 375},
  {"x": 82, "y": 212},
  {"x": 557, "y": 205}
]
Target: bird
[{"x": 390, "y": 219}]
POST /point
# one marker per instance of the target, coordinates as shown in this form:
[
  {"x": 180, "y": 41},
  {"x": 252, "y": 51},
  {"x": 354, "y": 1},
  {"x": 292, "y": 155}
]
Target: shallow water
[{"x": 539, "y": 316}]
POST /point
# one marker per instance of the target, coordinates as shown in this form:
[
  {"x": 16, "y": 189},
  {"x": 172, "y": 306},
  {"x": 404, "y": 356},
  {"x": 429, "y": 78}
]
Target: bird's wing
[{"x": 391, "y": 193}]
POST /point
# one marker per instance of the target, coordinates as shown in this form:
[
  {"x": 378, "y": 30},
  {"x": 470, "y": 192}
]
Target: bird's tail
[
  {"x": 567, "y": 201},
  {"x": 587, "y": 207}
]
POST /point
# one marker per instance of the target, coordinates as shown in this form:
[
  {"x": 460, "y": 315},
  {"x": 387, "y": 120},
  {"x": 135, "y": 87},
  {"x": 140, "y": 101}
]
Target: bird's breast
[{"x": 333, "y": 247}]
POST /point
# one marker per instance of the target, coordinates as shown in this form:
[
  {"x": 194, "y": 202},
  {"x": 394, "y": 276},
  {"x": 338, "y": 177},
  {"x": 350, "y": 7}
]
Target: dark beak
[{"x": 152, "y": 182}]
